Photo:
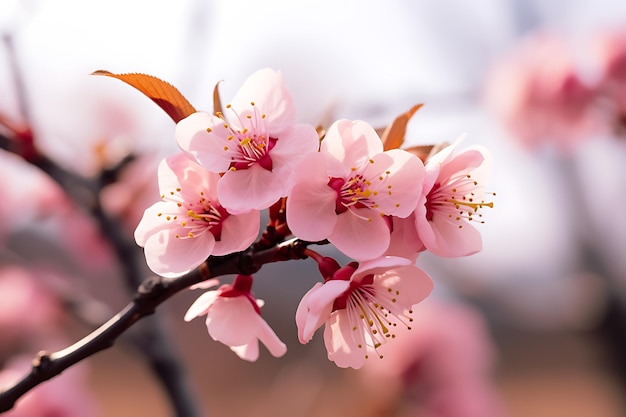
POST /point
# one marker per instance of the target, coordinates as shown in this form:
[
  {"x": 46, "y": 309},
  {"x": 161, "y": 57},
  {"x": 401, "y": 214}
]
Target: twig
[{"x": 152, "y": 292}]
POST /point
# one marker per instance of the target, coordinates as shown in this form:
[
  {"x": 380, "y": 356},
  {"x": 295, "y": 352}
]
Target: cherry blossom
[
  {"x": 65, "y": 396},
  {"x": 452, "y": 198},
  {"x": 360, "y": 306},
  {"x": 344, "y": 192},
  {"x": 255, "y": 144},
  {"x": 538, "y": 92},
  {"x": 233, "y": 317},
  {"x": 190, "y": 224},
  {"x": 444, "y": 365}
]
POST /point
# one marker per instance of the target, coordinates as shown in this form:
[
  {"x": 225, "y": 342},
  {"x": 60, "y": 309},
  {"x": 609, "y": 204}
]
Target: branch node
[
  {"x": 150, "y": 288},
  {"x": 41, "y": 361}
]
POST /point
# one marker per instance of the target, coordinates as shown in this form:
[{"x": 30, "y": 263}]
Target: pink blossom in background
[
  {"x": 443, "y": 365},
  {"x": 27, "y": 309},
  {"x": 133, "y": 193},
  {"x": 180, "y": 232},
  {"x": 361, "y": 307},
  {"x": 344, "y": 192},
  {"x": 66, "y": 395},
  {"x": 233, "y": 317},
  {"x": 256, "y": 143},
  {"x": 452, "y": 199},
  {"x": 29, "y": 196},
  {"x": 539, "y": 95},
  {"x": 609, "y": 48}
]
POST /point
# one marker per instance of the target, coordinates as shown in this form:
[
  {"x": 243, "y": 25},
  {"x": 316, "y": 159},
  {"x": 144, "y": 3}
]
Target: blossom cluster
[{"x": 380, "y": 207}]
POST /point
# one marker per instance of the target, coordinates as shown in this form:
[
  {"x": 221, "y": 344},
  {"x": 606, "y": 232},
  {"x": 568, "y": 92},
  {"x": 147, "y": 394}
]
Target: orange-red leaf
[
  {"x": 165, "y": 95},
  {"x": 393, "y": 136},
  {"x": 217, "y": 101}
]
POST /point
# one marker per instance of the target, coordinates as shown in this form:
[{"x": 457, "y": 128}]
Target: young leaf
[
  {"x": 217, "y": 101},
  {"x": 165, "y": 95},
  {"x": 393, "y": 136}
]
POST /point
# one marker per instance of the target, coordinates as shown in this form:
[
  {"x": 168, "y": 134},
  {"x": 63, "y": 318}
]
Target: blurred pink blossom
[
  {"x": 64, "y": 396},
  {"x": 362, "y": 306},
  {"x": 443, "y": 364},
  {"x": 610, "y": 51},
  {"x": 26, "y": 307},
  {"x": 538, "y": 93},
  {"x": 233, "y": 317}
]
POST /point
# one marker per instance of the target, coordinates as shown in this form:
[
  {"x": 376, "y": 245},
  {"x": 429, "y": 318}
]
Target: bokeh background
[{"x": 534, "y": 325}]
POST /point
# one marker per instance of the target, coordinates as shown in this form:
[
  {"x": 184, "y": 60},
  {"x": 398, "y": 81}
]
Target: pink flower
[
  {"x": 344, "y": 192},
  {"x": 233, "y": 317},
  {"x": 180, "y": 232},
  {"x": 444, "y": 364},
  {"x": 66, "y": 395},
  {"x": 26, "y": 307},
  {"x": 451, "y": 199},
  {"x": 256, "y": 144},
  {"x": 538, "y": 93},
  {"x": 360, "y": 306}
]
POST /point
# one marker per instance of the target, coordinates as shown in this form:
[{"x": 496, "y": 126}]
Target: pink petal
[
  {"x": 465, "y": 161},
  {"x": 315, "y": 307},
  {"x": 311, "y": 202},
  {"x": 238, "y": 233},
  {"x": 201, "y": 305},
  {"x": 451, "y": 241},
  {"x": 268, "y": 91},
  {"x": 294, "y": 145},
  {"x": 248, "y": 189},
  {"x": 406, "y": 176},
  {"x": 208, "y": 148},
  {"x": 233, "y": 321},
  {"x": 351, "y": 144},
  {"x": 209, "y": 283},
  {"x": 171, "y": 257},
  {"x": 248, "y": 352},
  {"x": 361, "y": 234},
  {"x": 271, "y": 341},
  {"x": 379, "y": 266},
  {"x": 340, "y": 344},
  {"x": 412, "y": 283},
  {"x": 152, "y": 223}
]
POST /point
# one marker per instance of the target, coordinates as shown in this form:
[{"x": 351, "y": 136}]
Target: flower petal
[
  {"x": 315, "y": 307},
  {"x": 361, "y": 234},
  {"x": 350, "y": 144},
  {"x": 340, "y": 344},
  {"x": 207, "y": 147},
  {"x": 248, "y": 189},
  {"x": 267, "y": 89},
  {"x": 201, "y": 305},
  {"x": 311, "y": 202},
  {"x": 171, "y": 257},
  {"x": 238, "y": 233}
]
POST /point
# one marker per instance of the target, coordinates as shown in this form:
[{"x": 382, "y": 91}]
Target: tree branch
[{"x": 152, "y": 292}]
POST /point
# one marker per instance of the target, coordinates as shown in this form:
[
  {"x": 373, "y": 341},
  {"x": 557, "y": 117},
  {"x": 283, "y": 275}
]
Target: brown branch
[{"x": 152, "y": 292}]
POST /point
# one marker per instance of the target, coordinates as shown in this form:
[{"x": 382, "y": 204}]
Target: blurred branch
[{"x": 152, "y": 292}]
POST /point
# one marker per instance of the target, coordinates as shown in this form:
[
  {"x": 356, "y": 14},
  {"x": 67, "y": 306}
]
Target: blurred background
[{"x": 534, "y": 325}]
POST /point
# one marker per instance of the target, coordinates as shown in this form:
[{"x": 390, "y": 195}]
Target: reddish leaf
[
  {"x": 393, "y": 136},
  {"x": 165, "y": 95},
  {"x": 217, "y": 101}
]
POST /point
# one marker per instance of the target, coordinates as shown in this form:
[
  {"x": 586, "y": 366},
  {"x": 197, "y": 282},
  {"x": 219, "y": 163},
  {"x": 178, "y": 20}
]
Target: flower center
[
  {"x": 456, "y": 200},
  {"x": 373, "y": 311},
  {"x": 195, "y": 215},
  {"x": 251, "y": 143},
  {"x": 354, "y": 192}
]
